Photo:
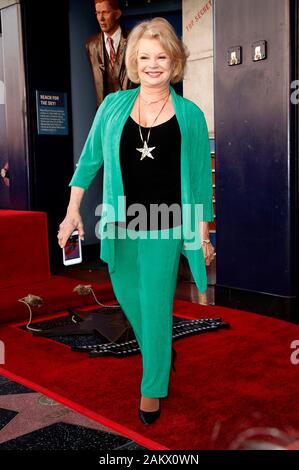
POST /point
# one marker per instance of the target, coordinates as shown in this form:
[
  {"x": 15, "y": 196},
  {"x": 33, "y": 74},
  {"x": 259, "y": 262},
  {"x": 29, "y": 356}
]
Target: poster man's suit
[{"x": 108, "y": 78}]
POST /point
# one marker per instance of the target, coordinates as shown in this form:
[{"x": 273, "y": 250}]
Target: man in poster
[{"x": 106, "y": 51}]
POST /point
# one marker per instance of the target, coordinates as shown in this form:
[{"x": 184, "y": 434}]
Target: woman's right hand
[{"x": 71, "y": 222}]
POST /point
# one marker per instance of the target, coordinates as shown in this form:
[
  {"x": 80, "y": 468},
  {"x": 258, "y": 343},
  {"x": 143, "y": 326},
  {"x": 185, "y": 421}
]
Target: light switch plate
[
  {"x": 259, "y": 50},
  {"x": 234, "y": 55}
]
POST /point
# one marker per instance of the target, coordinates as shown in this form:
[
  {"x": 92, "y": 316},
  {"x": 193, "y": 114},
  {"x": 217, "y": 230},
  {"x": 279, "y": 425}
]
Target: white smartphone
[{"x": 72, "y": 252}]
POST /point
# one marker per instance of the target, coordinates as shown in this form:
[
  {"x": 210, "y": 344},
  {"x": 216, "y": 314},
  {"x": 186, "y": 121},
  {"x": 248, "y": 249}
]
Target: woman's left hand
[{"x": 208, "y": 253}]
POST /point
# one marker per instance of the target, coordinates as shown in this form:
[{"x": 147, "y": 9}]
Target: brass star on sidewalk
[
  {"x": 35, "y": 411},
  {"x": 146, "y": 151}
]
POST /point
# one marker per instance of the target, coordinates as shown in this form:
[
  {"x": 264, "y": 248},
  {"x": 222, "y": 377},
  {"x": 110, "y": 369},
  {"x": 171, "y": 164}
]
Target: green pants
[{"x": 144, "y": 283}]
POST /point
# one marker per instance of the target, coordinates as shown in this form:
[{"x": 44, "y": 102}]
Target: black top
[{"x": 152, "y": 181}]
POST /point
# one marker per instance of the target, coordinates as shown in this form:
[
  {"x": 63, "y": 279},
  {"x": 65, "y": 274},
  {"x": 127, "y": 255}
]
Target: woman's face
[{"x": 153, "y": 63}]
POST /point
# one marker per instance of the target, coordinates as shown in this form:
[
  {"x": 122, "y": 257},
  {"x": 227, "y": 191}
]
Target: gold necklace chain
[
  {"x": 149, "y": 131},
  {"x": 152, "y": 102}
]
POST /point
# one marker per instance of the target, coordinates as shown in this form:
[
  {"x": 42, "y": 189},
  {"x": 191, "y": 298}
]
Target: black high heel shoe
[{"x": 148, "y": 417}]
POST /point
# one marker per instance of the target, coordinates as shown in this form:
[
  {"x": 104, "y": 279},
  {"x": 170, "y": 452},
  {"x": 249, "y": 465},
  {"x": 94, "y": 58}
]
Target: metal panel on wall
[
  {"x": 255, "y": 164},
  {"x": 4, "y": 180},
  {"x": 13, "y": 121}
]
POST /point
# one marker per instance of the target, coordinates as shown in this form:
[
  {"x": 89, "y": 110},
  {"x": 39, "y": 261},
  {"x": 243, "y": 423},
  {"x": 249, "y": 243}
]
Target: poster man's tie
[{"x": 112, "y": 51}]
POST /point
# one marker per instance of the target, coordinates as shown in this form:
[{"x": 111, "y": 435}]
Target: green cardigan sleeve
[
  {"x": 201, "y": 172},
  {"x": 91, "y": 158}
]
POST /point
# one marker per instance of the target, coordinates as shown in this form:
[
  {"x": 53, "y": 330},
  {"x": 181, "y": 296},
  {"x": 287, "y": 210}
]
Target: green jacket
[{"x": 102, "y": 146}]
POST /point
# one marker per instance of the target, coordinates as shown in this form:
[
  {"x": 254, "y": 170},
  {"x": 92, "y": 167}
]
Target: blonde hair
[{"x": 157, "y": 28}]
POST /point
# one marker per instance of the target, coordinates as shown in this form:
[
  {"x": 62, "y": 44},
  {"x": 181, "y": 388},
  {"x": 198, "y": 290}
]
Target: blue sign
[{"x": 52, "y": 118}]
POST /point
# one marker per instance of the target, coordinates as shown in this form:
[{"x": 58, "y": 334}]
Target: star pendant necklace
[{"x": 146, "y": 150}]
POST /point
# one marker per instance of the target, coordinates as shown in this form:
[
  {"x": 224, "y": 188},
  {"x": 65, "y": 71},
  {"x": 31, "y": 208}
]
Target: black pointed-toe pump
[{"x": 148, "y": 417}]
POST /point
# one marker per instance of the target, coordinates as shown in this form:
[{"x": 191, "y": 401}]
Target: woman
[{"x": 155, "y": 148}]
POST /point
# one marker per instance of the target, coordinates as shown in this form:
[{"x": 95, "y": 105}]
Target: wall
[
  {"x": 255, "y": 185},
  {"x": 198, "y": 37},
  {"x": 47, "y": 68}
]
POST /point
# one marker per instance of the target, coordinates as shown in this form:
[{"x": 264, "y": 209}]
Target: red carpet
[{"x": 225, "y": 384}]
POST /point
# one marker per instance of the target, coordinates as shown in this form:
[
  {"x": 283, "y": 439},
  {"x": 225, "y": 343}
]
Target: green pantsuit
[
  {"x": 143, "y": 271},
  {"x": 144, "y": 283}
]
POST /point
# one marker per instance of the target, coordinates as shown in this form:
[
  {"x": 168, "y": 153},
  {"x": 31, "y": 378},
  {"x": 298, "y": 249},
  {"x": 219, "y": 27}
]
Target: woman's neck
[{"x": 154, "y": 94}]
